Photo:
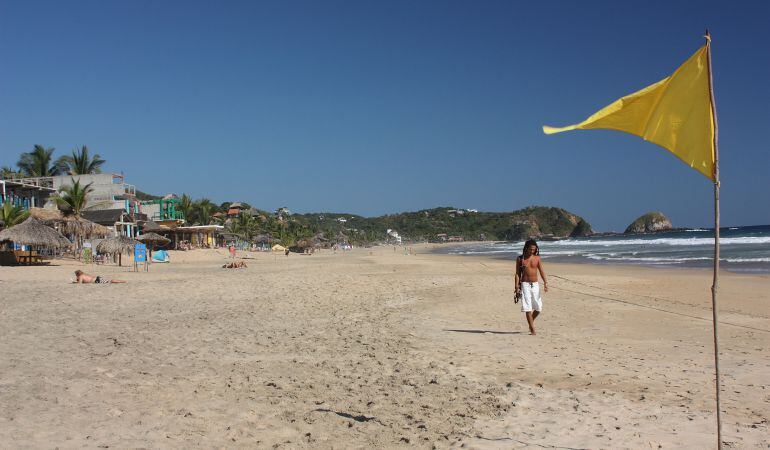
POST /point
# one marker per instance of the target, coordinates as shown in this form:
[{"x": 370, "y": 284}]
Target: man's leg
[
  {"x": 530, "y": 322},
  {"x": 535, "y": 314}
]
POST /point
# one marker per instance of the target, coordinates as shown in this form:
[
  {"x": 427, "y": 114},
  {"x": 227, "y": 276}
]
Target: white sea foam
[
  {"x": 662, "y": 241},
  {"x": 745, "y": 260},
  {"x": 650, "y": 260}
]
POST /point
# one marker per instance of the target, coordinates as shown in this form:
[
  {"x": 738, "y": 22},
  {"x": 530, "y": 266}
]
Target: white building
[{"x": 393, "y": 234}]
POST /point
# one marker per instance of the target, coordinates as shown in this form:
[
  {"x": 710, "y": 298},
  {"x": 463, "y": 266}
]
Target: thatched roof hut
[
  {"x": 153, "y": 238},
  {"x": 116, "y": 245},
  {"x": 83, "y": 227},
  {"x": 262, "y": 238},
  {"x": 45, "y": 215},
  {"x": 32, "y": 232},
  {"x": 150, "y": 226},
  {"x": 78, "y": 226}
]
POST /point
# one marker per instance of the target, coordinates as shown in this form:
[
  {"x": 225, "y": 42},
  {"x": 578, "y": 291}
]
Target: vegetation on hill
[
  {"x": 424, "y": 225},
  {"x": 428, "y": 224}
]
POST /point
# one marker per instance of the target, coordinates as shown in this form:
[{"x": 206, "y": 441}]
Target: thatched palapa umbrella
[
  {"x": 33, "y": 233},
  {"x": 45, "y": 215},
  {"x": 83, "y": 227},
  {"x": 71, "y": 225},
  {"x": 117, "y": 246},
  {"x": 263, "y": 238},
  {"x": 153, "y": 239},
  {"x": 150, "y": 226}
]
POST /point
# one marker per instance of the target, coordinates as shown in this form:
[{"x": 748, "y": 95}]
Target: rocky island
[{"x": 651, "y": 222}]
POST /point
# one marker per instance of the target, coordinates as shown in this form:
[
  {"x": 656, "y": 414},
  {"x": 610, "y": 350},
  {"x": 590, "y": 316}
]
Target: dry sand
[{"x": 376, "y": 348}]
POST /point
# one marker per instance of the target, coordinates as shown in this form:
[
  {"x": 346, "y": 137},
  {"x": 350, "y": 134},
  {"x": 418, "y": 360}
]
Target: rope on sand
[{"x": 642, "y": 305}]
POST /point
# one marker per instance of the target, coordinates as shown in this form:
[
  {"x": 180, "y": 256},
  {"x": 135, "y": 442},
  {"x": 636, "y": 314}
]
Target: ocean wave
[
  {"x": 478, "y": 252},
  {"x": 652, "y": 260},
  {"x": 748, "y": 240},
  {"x": 745, "y": 260}
]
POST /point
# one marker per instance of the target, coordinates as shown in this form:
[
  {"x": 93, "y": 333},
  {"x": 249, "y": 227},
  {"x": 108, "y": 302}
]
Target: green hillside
[{"x": 535, "y": 221}]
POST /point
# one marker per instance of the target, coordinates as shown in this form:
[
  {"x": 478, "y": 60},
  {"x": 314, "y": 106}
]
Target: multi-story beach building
[
  {"x": 111, "y": 201},
  {"x": 164, "y": 211},
  {"x": 108, "y": 190},
  {"x": 26, "y": 193}
]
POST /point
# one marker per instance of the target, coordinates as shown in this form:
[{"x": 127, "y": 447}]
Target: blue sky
[{"x": 378, "y": 107}]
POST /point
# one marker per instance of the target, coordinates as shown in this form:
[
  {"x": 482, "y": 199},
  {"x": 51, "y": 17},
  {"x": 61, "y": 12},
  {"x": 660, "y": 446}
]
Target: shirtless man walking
[{"x": 528, "y": 265}]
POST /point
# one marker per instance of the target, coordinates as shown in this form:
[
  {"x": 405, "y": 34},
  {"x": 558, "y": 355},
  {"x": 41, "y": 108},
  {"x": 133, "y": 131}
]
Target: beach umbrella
[
  {"x": 69, "y": 224},
  {"x": 33, "y": 233},
  {"x": 83, "y": 227},
  {"x": 45, "y": 215},
  {"x": 153, "y": 239},
  {"x": 117, "y": 246},
  {"x": 262, "y": 238},
  {"x": 150, "y": 226}
]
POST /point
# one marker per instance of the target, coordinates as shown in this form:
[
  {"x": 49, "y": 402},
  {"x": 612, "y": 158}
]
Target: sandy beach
[{"x": 373, "y": 347}]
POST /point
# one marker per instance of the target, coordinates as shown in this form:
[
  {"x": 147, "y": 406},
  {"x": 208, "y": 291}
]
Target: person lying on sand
[
  {"x": 235, "y": 265},
  {"x": 84, "y": 278}
]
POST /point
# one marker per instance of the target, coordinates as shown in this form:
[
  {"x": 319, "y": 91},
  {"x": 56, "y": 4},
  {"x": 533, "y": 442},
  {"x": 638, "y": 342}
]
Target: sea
[{"x": 742, "y": 249}]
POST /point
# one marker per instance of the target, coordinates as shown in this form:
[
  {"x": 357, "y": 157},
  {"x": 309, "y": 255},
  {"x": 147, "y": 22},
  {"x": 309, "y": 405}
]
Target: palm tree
[
  {"x": 11, "y": 215},
  {"x": 73, "y": 198},
  {"x": 37, "y": 163},
  {"x": 7, "y": 172},
  {"x": 203, "y": 209},
  {"x": 81, "y": 163},
  {"x": 186, "y": 206},
  {"x": 245, "y": 225}
]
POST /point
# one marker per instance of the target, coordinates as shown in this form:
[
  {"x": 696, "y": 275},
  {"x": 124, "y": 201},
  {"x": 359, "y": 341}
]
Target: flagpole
[{"x": 715, "y": 285}]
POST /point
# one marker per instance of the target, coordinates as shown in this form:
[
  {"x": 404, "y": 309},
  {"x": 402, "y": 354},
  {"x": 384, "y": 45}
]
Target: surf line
[{"x": 644, "y": 306}]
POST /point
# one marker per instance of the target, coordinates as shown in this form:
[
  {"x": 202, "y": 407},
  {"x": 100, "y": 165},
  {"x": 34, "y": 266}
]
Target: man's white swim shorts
[{"x": 530, "y": 298}]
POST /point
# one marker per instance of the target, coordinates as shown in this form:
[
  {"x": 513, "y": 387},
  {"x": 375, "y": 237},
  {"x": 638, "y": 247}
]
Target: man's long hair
[{"x": 531, "y": 243}]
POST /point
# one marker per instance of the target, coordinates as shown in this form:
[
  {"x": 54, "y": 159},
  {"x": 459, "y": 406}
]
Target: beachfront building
[
  {"x": 124, "y": 223},
  {"x": 394, "y": 237},
  {"x": 108, "y": 192},
  {"x": 200, "y": 236},
  {"x": 165, "y": 211},
  {"x": 235, "y": 209},
  {"x": 27, "y": 193}
]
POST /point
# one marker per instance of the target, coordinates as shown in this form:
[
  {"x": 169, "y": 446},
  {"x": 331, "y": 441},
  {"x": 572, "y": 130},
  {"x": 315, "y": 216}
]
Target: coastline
[
  {"x": 748, "y": 253},
  {"x": 376, "y": 348}
]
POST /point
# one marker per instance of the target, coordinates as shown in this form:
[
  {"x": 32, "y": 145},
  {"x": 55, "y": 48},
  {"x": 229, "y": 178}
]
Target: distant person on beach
[
  {"x": 232, "y": 251},
  {"x": 84, "y": 278},
  {"x": 235, "y": 265},
  {"x": 527, "y": 267}
]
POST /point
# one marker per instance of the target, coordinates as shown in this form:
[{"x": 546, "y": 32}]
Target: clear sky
[{"x": 379, "y": 107}]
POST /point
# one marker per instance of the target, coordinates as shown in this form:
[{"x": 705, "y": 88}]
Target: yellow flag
[{"x": 675, "y": 113}]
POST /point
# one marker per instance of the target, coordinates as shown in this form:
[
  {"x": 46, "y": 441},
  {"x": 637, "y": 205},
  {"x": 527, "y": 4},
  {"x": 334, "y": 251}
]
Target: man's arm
[
  {"x": 542, "y": 273},
  {"x": 516, "y": 280}
]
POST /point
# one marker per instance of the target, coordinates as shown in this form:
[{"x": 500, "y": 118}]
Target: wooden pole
[{"x": 715, "y": 285}]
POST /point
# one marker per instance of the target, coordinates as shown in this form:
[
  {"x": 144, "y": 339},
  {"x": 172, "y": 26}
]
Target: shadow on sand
[{"x": 486, "y": 331}]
